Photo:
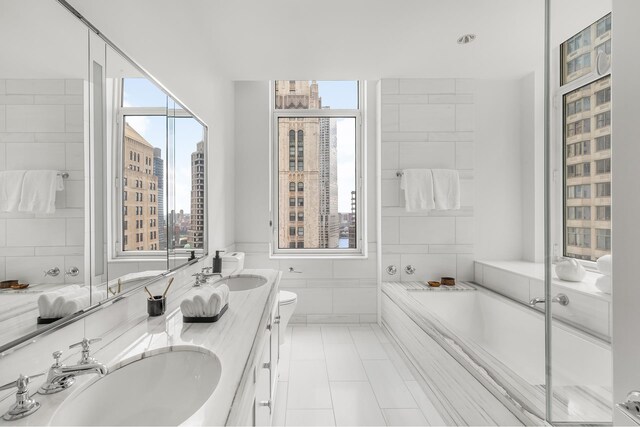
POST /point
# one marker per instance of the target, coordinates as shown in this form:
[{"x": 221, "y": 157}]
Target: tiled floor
[{"x": 347, "y": 375}]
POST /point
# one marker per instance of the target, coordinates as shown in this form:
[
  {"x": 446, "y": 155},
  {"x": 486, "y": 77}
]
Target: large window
[
  {"x": 150, "y": 124},
  {"x": 317, "y": 170},
  {"x": 586, "y": 124}
]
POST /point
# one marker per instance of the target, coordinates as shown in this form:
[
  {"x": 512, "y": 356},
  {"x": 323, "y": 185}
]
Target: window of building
[
  {"x": 603, "y": 189},
  {"x": 586, "y": 120},
  {"x": 317, "y": 131},
  {"x": 292, "y": 216},
  {"x": 603, "y": 239},
  {"x": 145, "y": 132},
  {"x": 292, "y": 186}
]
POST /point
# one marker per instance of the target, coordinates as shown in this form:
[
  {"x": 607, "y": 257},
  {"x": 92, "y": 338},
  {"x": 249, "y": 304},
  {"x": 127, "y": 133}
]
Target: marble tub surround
[
  {"x": 589, "y": 308},
  {"x": 460, "y": 390},
  {"x": 510, "y": 363},
  {"x": 127, "y": 331}
]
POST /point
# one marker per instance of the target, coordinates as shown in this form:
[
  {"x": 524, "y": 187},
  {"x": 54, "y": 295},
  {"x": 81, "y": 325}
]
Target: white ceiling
[{"x": 328, "y": 39}]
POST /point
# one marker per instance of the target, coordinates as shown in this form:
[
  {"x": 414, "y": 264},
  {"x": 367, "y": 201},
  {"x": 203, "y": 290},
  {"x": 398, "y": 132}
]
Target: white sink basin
[
  {"x": 164, "y": 388},
  {"x": 242, "y": 282}
]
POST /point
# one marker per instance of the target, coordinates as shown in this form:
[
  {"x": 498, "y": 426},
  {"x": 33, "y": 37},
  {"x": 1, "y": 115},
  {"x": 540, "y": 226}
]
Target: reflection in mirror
[
  {"x": 143, "y": 155},
  {"x": 43, "y": 112}
]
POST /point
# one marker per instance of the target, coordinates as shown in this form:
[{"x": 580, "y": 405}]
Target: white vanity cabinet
[{"x": 266, "y": 378}]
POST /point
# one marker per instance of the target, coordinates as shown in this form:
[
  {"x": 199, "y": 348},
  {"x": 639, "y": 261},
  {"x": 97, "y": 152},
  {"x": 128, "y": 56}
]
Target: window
[
  {"x": 603, "y": 166},
  {"x": 603, "y": 189},
  {"x": 292, "y": 231},
  {"x": 580, "y": 237},
  {"x": 145, "y": 132},
  {"x": 317, "y": 141},
  {"x": 292, "y": 216},
  {"x": 603, "y": 143},
  {"x": 603, "y": 213},
  {"x": 585, "y": 120},
  {"x": 603, "y": 239}
]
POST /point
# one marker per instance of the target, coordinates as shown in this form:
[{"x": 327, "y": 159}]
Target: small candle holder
[{"x": 156, "y": 305}]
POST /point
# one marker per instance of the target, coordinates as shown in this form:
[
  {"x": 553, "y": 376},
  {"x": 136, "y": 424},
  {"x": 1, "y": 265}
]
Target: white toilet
[{"x": 287, "y": 301}]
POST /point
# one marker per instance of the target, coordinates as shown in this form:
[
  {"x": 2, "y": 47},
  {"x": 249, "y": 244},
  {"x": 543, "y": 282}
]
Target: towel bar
[{"x": 64, "y": 175}]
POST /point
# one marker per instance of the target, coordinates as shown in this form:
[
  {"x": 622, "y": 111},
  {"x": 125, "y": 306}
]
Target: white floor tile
[
  {"x": 280, "y": 409},
  {"x": 308, "y": 385},
  {"x": 404, "y": 417},
  {"x": 343, "y": 360},
  {"x": 310, "y": 417},
  {"x": 388, "y": 385},
  {"x": 355, "y": 404},
  {"x": 367, "y": 343},
  {"x": 424, "y": 403},
  {"x": 306, "y": 343}
]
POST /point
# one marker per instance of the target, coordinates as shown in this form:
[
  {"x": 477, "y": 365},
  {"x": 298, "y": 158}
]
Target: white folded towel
[
  {"x": 10, "y": 190},
  {"x": 47, "y": 300},
  {"x": 418, "y": 189},
  {"x": 604, "y": 265},
  {"x": 446, "y": 189},
  {"x": 82, "y": 301},
  {"x": 207, "y": 302},
  {"x": 39, "y": 191},
  {"x": 603, "y": 283}
]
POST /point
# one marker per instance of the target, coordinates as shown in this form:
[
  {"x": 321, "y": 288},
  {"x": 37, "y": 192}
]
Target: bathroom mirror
[
  {"x": 43, "y": 132},
  {"x": 129, "y": 159}
]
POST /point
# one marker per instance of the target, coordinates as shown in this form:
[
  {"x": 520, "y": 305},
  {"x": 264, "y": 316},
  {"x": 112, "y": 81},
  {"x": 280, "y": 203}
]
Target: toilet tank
[{"x": 233, "y": 262}]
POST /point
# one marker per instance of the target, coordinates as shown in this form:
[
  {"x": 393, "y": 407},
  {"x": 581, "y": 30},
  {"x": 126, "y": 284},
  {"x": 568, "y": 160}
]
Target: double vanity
[{"x": 161, "y": 371}]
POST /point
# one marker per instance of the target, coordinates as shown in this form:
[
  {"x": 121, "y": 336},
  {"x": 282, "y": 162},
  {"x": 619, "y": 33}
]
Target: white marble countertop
[{"x": 128, "y": 331}]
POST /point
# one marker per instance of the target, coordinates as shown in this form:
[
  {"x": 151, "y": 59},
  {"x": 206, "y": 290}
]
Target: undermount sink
[
  {"x": 242, "y": 282},
  {"x": 162, "y": 387}
]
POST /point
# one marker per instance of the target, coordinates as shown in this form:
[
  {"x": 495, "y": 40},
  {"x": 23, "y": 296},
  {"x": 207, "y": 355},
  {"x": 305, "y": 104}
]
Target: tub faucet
[
  {"x": 561, "y": 299},
  {"x": 61, "y": 377}
]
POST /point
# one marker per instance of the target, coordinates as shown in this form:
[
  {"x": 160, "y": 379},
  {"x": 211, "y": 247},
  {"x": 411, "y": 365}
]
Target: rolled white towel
[
  {"x": 81, "y": 301},
  {"x": 603, "y": 283},
  {"x": 46, "y": 300},
  {"x": 207, "y": 302},
  {"x": 604, "y": 265}
]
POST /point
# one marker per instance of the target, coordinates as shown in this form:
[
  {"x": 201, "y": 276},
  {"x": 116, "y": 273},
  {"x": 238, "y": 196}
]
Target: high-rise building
[
  {"x": 308, "y": 211},
  {"x": 158, "y": 171},
  {"x": 587, "y": 144},
  {"x": 353, "y": 235},
  {"x": 140, "y": 194},
  {"x": 196, "y": 228}
]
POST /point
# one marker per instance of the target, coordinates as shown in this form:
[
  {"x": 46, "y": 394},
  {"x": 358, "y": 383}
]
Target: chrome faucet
[
  {"x": 201, "y": 278},
  {"x": 24, "y": 405},
  {"x": 561, "y": 299},
  {"x": 61, "y": 377}
]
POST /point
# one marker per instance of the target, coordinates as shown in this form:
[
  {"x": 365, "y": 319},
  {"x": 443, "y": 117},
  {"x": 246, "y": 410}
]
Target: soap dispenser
[{"x": 217, "y": 263}]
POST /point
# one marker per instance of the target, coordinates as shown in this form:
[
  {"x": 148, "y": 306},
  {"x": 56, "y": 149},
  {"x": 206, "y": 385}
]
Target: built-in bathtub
[{"x": 503, "y": 343}]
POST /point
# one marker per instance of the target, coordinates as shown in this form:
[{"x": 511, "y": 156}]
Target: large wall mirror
[{"x": 102, "y": 172}]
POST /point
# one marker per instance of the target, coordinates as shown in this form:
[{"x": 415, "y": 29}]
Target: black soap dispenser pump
[{"x": 217, "y": 263}]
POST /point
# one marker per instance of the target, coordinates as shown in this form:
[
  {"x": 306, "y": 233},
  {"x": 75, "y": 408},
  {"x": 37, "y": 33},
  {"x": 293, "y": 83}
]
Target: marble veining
[{"x": 128, "y": 333}]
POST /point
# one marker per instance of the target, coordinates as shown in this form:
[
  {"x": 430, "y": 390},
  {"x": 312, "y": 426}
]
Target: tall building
[
  {"x": 587, "y": 151},
  {"x": 140, "y": 195},
  {"x": 158, "y": 171},
  {"x": 308, "y": 211},
  {"x": 353, "y": 234},
  {"x": 329, "y": 219},
  {"x": 196, "y": 228}
]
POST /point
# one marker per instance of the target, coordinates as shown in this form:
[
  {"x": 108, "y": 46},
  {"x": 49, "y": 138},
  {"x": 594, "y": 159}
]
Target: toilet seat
[{"x": 286, "y": 297}]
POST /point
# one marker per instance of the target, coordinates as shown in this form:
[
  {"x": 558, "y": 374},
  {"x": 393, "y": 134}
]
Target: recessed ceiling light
[{"x": 467, "y": 38}]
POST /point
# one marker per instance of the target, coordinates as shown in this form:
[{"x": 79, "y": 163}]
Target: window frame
[
  {"x": 172, "y": 110},
  {"x": 359, "y": 115},
  {"x": 559, "y": 207}
]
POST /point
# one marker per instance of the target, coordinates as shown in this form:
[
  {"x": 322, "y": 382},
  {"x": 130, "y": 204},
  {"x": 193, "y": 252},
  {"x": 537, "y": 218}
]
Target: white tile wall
[
  {"x": 42, "y": 127},
  {"x": 431, "y": 125}
]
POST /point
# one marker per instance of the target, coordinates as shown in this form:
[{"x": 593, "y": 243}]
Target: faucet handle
[
  {"x": 24, "y": 404},
  {"x": 84, "y": 343},
  {"x": 86, "y": 358},
  {"x": 207, "y": 269},
  {"x": 56, "y": 356}
]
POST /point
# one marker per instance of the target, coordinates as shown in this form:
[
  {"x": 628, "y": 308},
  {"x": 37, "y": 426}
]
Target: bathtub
[{"x": 506, "y": 339}]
